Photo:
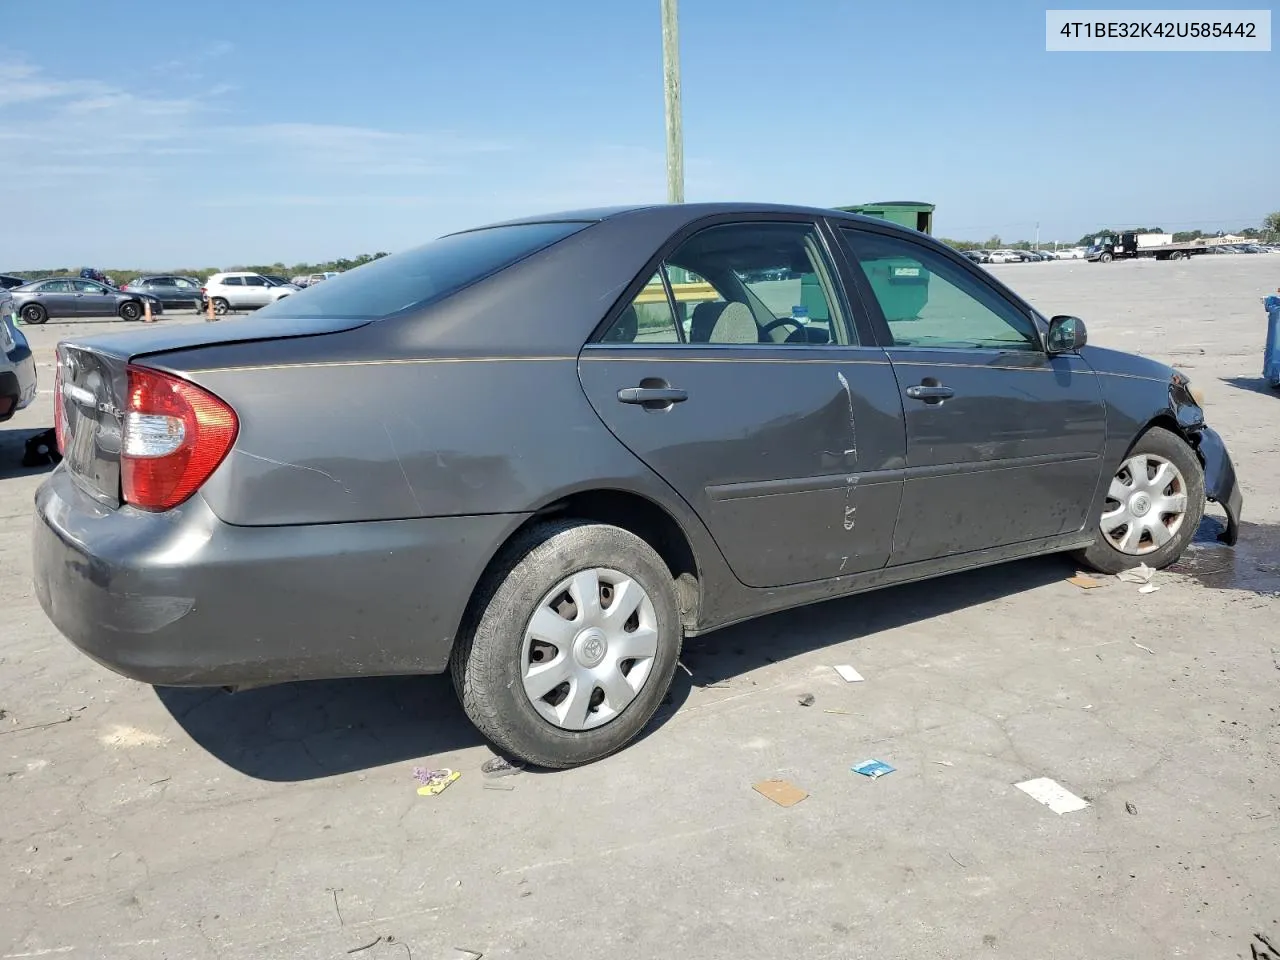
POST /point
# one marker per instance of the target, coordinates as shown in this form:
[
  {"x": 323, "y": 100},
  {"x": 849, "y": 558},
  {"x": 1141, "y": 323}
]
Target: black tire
[
  {"x": 1105, "y": 258},
  {"x": 34, "y": 314},
  {"x": 1104, "y": 557},
  {"x": 220, "y": 307},
  {"x": 130, "y": 310},
  {"x": 486, "y": 661}
]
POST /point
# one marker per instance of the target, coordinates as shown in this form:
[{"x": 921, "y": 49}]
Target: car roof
[{"x": 681, "y": 214}]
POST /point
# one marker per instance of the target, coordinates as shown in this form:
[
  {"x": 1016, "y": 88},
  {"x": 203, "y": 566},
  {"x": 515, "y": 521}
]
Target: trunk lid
[{"x": 93, "y": 385}]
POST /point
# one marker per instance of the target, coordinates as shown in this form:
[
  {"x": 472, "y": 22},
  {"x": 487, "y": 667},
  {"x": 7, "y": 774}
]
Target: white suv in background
[{"x": 243, "y": 291}]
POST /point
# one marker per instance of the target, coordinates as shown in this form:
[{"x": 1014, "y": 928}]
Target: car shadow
[
  {"x": 1253, "y": 384},
  {"x": 13, "y": 449},
  {"x": 305, "y": 731}
]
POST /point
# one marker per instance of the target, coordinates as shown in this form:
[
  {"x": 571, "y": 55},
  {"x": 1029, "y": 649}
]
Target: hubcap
[
  {"x": 589, "y": 649},
  {"x": 1146, "y": 505}
]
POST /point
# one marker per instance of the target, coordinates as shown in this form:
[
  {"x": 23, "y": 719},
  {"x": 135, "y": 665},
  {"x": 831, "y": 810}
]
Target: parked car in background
[
  {"x": 1002, "y": 256},
  {"x": 69, "y": 297},
  {"x": 175, "y": 292},
  {"x": 279, "y": 281},
  {"x": 8, "y": 283},
  {"x": 210, "y": 527},
  {"x": 977, "y": 256},
  {"x": 317, "y": 277},
  {"x": 17, "y": 364},
  {"x": 241, "y": 290},
  {"x": 89, "y": 273}
]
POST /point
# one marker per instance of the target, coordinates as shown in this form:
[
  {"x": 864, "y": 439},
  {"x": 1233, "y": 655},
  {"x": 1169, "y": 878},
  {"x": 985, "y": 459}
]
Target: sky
[{"x": 158, "y": 135}]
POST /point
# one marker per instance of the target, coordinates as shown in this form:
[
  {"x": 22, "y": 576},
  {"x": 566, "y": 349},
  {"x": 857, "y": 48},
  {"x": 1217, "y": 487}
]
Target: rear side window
[
  {"x": 422, "y": 275},
  {"x": 232, "y": 282}
]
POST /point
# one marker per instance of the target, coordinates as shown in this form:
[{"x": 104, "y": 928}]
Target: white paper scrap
[
  {"x": 1053, "y": 795},
  {"x": 849, "y": 674}
]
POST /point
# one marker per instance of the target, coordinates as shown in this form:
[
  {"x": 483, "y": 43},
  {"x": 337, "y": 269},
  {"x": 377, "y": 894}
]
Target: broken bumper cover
[
  {"x": 183, "y": 599},
  {"x": 1220, "y": 483}
]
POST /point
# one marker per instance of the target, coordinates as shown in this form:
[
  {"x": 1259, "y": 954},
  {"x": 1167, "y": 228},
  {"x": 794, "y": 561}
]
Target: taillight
[
  {"x": 59, "y": 407},
  {"x": 175, "y": 435}
]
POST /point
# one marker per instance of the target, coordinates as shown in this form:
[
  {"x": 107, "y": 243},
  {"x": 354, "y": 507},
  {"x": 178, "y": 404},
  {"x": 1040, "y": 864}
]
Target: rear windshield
[{"x": 419, "y": 276}]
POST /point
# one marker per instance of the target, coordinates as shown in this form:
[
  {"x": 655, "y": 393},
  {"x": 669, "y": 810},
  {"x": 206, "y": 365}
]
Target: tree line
[{"x": 202, "y": 274}]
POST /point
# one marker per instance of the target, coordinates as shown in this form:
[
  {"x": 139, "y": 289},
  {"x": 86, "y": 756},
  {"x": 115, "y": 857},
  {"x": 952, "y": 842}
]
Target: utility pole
[
  {"x": 1037, "y": 235},
  {"x": 671, "y": 84}
]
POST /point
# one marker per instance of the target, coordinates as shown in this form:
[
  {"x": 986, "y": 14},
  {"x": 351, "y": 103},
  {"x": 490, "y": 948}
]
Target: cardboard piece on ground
[
  {"x": 781, "y": 792},
  {"x": 1053, "y": 795},
  {"x": 1084, "y": 581},
  {"x": 848, "y": 674}
]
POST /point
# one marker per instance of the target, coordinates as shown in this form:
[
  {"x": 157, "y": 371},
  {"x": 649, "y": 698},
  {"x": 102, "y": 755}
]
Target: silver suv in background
[
  {"x": 241, "y": 290},
  {"x": 17, "y": 365}
]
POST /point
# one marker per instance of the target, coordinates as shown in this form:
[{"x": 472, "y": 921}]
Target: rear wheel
[
  {"x": 1153, "y": 507},
  {"x": 220, "y": 306},
  {"x": 1177, "y": 255},
  {"x": 34, "y": 314},
  {"x": 130, "y": 310},
  {"x": 572, "y": 645}
]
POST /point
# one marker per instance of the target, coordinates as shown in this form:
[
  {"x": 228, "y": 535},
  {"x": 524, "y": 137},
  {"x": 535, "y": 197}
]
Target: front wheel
[
  {"x": 1105, "y": 258},
  {"x": 1153, "y": 507},
  {"x": 129, "y": 310},
  {"x": 571, "y": 646}
]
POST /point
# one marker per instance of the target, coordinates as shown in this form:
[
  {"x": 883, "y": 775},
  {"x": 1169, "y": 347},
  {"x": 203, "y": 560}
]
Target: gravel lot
[{"x": 284, "y": 822}]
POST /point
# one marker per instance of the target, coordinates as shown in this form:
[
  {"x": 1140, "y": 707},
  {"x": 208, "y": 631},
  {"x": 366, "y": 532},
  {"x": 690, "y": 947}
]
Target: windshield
[{"x": 422, "y": 275}]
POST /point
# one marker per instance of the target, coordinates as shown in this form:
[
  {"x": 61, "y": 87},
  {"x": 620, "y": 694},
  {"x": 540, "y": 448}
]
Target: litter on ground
[
  {"x": 1148, "y": 588},
  {"x": 1139, "y": 574},
  {"x": 434, "y": 781},
  {"x": 872, "y": 768},
  {"x": 781, "y": 792},
  {"x": 848, "y": 674},
  {"x": 1084, "y": 581},
  {"x": 1142, "y": 646},
  {"x": 1053, "y": 795}
]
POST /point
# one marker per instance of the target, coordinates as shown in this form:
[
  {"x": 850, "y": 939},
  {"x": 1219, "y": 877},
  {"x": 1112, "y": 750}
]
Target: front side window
[
  {"x": 88, "y": 286},
  {"x": 930, "y": 302},
  {"x": 748, "y": 283}
]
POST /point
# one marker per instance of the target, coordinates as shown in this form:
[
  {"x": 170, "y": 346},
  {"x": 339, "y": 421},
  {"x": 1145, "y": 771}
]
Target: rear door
[
  {"x": 58, "y": 298},
  {"x": 1004, "y": 442},
  {"x": 785, "y": 435}
]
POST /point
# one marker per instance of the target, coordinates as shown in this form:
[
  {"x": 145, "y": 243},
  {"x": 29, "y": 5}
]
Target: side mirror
[{"x": 1066, "y": 335}]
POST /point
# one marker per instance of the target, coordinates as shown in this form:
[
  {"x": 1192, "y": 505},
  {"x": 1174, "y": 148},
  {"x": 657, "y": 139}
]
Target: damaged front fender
[{"x": 1220, "y": 484}]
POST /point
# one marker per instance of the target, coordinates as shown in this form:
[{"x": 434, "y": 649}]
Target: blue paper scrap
[{"x": 872, "y": 768}]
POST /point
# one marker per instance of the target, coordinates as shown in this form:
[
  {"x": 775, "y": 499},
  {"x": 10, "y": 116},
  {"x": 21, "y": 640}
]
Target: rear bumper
[{"x": 183, "y": 599}]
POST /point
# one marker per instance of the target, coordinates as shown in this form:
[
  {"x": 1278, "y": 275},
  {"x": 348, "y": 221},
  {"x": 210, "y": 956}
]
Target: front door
[
  {"x": 93, "y": 299},
  {"x": 1004, "y": 442},
  {"x": 257, "y": 292},
  {"x": 736, "y": 375}
]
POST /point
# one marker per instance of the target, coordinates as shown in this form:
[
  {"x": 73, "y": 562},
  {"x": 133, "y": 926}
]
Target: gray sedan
[
  {"x": 177, "y": 292},
  {"x": 17, "y": 364},
  {"x": 71, "y": 297},
  {"x": 540, "y": 454}
]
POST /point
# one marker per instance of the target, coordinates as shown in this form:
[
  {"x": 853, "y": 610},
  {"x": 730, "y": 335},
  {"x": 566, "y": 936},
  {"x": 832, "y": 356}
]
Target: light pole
[{"x": 671, "y": 85}]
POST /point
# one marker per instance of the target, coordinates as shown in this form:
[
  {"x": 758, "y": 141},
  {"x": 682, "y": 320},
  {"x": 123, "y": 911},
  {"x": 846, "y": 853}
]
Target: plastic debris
[
  {"x": 872, "y": 768},
  {"x": 1142, "y": 646},
  {"x": 1130, "y": 809},
  {"x": 1053, "y": 795},
  {"x": 848, "y": 674},
  {"x": 1148, "y": 588},
  {"x": 501, "y": 767},
  {"x": 434, "y": 781},
  {"x": 1139, "y": 574},
  {"x": 944, "y": 763},
  {"x": 781, "y": 792},
  {"x": 1084, "y": 581},
  {"x": 495, "y": 785},
  {"x": 805, "y": 699},
  {"x": 842, "y": 713}
]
